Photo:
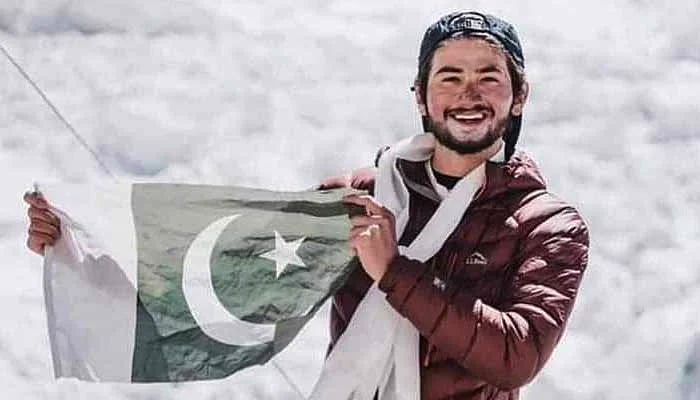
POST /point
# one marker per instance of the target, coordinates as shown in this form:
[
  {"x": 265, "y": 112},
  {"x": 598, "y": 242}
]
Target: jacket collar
[{"x": 519, "y": 173}]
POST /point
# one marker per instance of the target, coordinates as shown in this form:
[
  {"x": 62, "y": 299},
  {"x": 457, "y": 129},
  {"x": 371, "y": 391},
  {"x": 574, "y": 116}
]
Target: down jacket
[{"x": 492, "y": 304}]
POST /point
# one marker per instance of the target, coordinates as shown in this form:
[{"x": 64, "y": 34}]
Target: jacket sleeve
[{"x": 505, "y": 345}]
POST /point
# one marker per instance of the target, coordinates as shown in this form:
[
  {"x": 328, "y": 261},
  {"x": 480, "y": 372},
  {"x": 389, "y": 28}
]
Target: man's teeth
[{"x": 468, "y": 116}]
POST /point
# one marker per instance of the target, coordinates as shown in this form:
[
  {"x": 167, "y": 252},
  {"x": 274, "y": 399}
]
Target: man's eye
[
  {"x": 451, "y": 79},
  {"x": 489, "y": 79}
]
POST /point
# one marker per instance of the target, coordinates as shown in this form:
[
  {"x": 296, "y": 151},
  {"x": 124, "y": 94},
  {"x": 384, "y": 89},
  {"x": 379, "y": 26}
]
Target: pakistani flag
[{"x": 165, "y": 282}]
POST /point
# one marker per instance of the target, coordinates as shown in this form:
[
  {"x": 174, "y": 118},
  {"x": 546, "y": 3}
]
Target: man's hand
[
  {"x": 362, "y": 179},
  {"x": 373, "y": 236},
  {"x": 44, "y": 226}
]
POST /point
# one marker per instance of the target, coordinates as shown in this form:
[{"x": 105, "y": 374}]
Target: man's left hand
[{"x": 373, "y": 236}]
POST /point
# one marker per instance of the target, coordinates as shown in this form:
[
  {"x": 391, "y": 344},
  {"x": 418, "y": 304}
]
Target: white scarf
[{"x": 379, "y": 348}]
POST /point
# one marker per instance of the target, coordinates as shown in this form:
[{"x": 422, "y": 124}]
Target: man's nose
[{"x": 470, "y": 91}]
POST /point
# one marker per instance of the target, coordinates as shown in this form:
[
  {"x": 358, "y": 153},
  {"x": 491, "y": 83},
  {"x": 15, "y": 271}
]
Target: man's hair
[{"x": 516, "y": 72}]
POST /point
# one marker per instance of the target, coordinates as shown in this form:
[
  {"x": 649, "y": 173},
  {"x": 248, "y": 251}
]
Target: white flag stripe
[{"x": 91, "y": 297}]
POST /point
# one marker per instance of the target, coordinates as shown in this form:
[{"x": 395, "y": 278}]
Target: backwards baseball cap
[
  {"x": 471, "y": 23},
  {"x": 468, "y": 23}
]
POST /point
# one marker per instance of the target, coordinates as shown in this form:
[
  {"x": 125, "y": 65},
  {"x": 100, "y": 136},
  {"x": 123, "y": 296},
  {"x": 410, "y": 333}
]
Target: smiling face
[{"x": 470, "y": 99}]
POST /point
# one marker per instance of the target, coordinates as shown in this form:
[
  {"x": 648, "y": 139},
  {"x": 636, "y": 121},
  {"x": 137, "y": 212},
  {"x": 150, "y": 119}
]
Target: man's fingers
[
  {"x": 363, "y": 232},
  {"x": 44, "y": 228},
  {"x": 43, "y": 215},
  {"x": 363, "y": 178},
  {"x": 34, "y": 245},
  {"x": 44, "y": 225},
  {"x": 365, "y": 220},
  {"x": 334, "y": 182},
  {"x": 41, "y": 238},
  {"x": 30, "y": 197},
  {"x": 370, "y": 204},
  {"x": 360, "y": 199},
  {"x": 354, "y": 232},
  {"x": 37, "y": 242},
  {"x": 36, "y": 199}
]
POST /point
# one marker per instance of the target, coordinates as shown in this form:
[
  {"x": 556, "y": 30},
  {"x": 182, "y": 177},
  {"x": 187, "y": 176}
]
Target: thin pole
[{"x": 53, "y": 108}]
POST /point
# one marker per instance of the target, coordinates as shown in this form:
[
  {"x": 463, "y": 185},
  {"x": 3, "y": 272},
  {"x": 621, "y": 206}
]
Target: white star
[{"x": 285, "y": 253}]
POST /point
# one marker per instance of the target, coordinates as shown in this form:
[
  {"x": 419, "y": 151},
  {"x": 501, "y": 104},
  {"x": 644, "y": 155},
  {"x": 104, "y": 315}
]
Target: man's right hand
[{"x": 44, "y": 225}]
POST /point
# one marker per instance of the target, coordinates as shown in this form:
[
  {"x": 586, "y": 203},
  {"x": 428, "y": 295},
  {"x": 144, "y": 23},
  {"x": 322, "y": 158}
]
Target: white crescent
[{"x": 211, "y": 316}]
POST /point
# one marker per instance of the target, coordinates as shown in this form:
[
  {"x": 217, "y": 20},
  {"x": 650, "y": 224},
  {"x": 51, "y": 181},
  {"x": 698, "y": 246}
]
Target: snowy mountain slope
[{"x": 278, "y": 94}]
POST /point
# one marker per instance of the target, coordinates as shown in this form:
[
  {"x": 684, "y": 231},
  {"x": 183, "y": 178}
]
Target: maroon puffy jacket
[{"x": 492, "y": 304}]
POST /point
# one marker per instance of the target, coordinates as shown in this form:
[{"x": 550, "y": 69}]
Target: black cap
[
  {"x": 465, "y": 23},
  {"x": 468, "y": 23}
]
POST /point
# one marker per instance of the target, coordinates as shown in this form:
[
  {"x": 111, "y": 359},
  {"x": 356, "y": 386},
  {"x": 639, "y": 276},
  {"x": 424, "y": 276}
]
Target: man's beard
[{"x": 445, "y": 138}]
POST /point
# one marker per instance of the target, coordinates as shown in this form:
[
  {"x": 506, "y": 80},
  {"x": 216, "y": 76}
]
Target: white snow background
[{"x": 278, "y": 94}]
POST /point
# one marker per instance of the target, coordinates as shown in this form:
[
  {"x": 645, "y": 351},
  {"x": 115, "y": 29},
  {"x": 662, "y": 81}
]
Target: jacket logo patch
[{"x": 476, "y": 259}]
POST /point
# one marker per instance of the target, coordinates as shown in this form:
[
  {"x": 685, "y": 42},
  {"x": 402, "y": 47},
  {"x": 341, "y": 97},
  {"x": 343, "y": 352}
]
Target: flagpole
[{"x": 60, "y": 116}]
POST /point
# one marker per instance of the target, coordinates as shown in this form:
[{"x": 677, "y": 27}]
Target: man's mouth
[{"x": 468, "y": 117}]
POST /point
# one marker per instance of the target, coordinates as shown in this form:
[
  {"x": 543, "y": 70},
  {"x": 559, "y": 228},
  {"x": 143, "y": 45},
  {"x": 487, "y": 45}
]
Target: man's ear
[
  {"x": 520, "y": 100},
  {"x": 420, "y": 101}
]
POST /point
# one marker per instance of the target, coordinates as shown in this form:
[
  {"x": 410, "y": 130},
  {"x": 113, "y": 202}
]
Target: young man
[
  {"x": 491, "y": 296},
  {"x": 470, "y": 267}
]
